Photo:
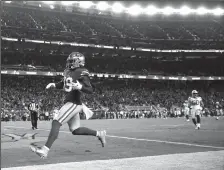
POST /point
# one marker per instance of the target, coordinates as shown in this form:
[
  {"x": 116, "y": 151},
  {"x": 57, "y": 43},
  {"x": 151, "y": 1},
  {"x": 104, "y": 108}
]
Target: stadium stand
[
  {"x": 112, "y": 94},
  {"x": 20, "y": 22}
]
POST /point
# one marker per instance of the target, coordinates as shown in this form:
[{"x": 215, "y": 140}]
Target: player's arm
[
  {"x": 58, "y": 85},
  {"x": 202, "y": 104},
  {"x": 189, "y": 102},
  {"x": 86, "y": 85}
]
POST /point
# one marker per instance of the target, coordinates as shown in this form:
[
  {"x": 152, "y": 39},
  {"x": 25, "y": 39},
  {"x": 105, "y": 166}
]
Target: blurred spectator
[{"x": 114, "y": 95}]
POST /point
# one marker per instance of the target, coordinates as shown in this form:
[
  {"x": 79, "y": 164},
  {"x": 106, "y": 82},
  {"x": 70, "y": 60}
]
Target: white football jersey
[
  {"x": 195, "y": 102},
  {"x": 185, "y": 105}
]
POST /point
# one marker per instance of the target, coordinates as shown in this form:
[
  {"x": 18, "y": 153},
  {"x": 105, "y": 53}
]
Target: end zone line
[{"x": 138, "y": 139}]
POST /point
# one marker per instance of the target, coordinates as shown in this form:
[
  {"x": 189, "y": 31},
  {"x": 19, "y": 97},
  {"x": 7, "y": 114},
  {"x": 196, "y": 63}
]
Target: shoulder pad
[{"x": 85, "y": 73}]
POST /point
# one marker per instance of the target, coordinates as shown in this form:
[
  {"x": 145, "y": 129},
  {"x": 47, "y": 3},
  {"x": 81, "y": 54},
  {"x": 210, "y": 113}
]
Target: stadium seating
[
  {"x": 20, "y": 22},
  {"x": 53, "y": 58},
  {"x": 18, "y": 91}
]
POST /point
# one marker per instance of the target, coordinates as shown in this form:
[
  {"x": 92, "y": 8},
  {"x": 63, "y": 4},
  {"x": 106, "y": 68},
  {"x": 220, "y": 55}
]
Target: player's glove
[
  {"x": 50, "y": 85},
  {"x": 77, "y": 85}
]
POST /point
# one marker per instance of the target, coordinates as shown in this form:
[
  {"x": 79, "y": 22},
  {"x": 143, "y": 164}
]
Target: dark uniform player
[
  {"x": 76, "y": 80},
  {"x": 33, "y": 108}
]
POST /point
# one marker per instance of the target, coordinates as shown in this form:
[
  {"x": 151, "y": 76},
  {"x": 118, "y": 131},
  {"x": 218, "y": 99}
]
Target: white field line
[
  {"x": 211, "y": 160},
  {"x": 137, "y": 139}
]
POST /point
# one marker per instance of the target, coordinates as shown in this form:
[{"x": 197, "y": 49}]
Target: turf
[{"x": 126, "y": 139}]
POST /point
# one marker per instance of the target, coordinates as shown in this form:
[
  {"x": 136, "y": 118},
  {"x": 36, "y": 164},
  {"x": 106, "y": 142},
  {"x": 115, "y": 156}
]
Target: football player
[
  {"x": 196, "y": 105},
  {"x": 218, "y": 110},
  {"x": 186, "y": 110},
  {"x": 75, "y": 82}
]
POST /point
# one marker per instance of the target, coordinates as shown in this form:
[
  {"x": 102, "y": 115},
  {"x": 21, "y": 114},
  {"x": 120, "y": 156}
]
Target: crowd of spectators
[
  {"x": 114, "y": 95},
  {"x": 21, "y": 22},
  {"x": 53, "y": 58}
]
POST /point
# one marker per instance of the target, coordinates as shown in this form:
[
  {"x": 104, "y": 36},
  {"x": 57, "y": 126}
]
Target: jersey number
[
  {"x": 68, "y": 84},
  {"x": 196, "y": 102}
]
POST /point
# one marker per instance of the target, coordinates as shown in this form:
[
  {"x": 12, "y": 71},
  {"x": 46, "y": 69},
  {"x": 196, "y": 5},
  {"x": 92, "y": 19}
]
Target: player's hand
[
  {"x": 50, "y": 85},
  {"x": 77, "y": 85}
]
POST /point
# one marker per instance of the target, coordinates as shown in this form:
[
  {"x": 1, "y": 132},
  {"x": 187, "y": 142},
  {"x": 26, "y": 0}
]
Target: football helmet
[
  {"x": 194, "y": 93},
  {"x": 75, "y": 60}
]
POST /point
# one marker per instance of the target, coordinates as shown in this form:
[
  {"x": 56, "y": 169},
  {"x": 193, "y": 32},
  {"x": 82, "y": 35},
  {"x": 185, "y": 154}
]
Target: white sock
[
  {"x": 46, "y": 148},
  {"x": 97, "y": 133}
]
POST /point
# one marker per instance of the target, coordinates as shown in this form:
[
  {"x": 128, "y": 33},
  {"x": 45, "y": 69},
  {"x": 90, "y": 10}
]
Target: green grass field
[{"x": 131, "y": 144}]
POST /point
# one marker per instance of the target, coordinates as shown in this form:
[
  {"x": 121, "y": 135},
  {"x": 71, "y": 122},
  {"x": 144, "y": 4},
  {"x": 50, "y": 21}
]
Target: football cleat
[
  {"x": 41, "y": 152},
  {"x": 198, "y": 126},
  {"x": 102, "y": 137}
]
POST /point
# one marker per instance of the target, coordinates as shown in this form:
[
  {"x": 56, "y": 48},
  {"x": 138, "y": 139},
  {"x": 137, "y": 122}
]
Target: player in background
[
  {"x": 164, "y": 113},
  {"x": 186, "y": 110},
  {"x": 218, "y": 110},
  {"x": 75, "y": 82},
  {"x": 196, "y": 105}
]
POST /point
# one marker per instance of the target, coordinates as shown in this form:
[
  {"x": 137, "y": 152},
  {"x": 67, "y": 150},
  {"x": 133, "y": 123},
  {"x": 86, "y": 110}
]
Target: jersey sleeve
[
  {"x": 60, "y": 84},
  {"x": 85, "y": 73},
  {"x": 189, "y": 99},
  {"x": 86, "y": 85}
]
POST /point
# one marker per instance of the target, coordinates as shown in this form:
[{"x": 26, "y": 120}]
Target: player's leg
[
  {"x": 187, "y": 117},
  {"x": 74, "y": 127},
  {"x": 198, "y": 116},
  {"x": 35, "y": 119},
  {"x": 32, "y": 119},
  {"x": 217, "y": 114},
  {"x": 187, "y": 114},
  {"x": 193, "y": 116},
  {"x": 65, "y": 113}
]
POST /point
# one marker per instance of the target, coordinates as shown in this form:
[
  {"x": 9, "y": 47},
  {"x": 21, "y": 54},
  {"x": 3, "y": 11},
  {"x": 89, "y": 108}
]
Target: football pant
[
  {"x": 195, "y": 112},
  {"x": 69, "y": 113}
]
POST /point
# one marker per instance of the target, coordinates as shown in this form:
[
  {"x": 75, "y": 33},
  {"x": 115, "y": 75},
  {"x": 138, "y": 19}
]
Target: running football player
[
  {"x": 186, "y": 110},
  {"x": 76, "y": 80},
  {"x": 196, "y": 105}
]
